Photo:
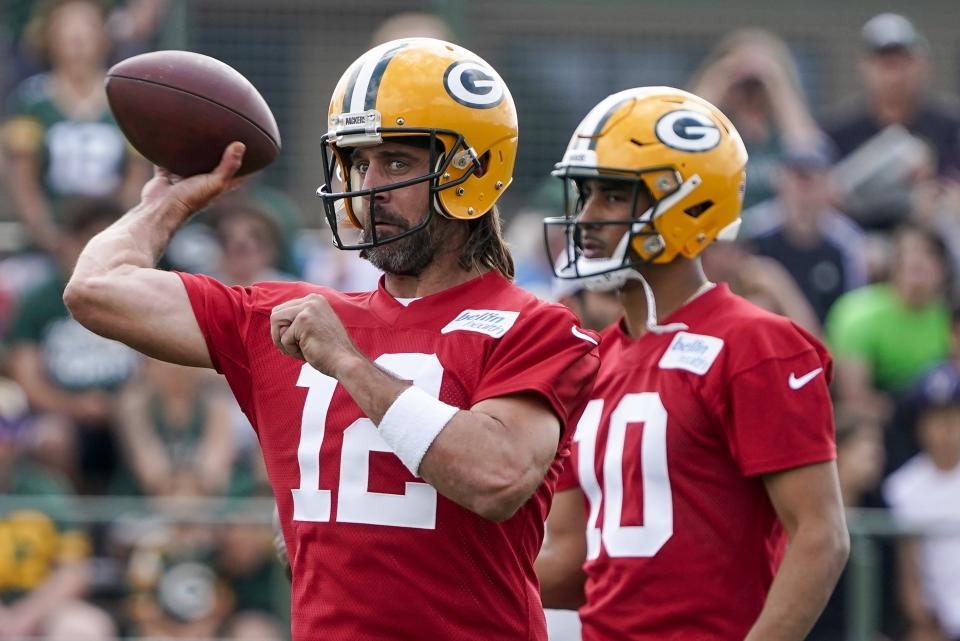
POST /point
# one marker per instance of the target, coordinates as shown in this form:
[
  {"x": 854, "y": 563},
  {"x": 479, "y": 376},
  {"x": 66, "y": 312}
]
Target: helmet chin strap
[{"x": 652, "y": 325}]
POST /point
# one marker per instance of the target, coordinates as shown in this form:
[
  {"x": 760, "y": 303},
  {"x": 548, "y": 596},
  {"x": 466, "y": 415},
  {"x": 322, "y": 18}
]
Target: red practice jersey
[
  {"x": 682, "y": 540},
  {"x": 376, "y": 553}
]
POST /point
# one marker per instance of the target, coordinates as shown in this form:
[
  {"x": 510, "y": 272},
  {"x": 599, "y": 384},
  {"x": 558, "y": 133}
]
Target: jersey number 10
[{"x": 626, "y": 540}]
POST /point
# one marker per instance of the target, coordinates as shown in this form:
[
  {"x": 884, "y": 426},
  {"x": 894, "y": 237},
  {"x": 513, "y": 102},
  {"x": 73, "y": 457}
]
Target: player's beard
[{"x": 410, "y": 255}]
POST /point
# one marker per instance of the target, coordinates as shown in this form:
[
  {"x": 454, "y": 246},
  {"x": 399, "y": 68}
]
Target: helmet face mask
[
  {"x": 677, "y": 149},
  {"x": 432, "y": 94},
  {"x": 346, "y": 204},
  {"x": 639, "y": 229}
]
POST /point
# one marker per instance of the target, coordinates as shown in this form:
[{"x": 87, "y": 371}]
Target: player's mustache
[
  {"x": 390, "y": 219},
  {"x": 592, "y": 240},
  {"x": 386, "y": 218}
]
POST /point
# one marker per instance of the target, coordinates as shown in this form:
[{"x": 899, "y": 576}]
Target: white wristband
[{"x": 412, "y": 423}]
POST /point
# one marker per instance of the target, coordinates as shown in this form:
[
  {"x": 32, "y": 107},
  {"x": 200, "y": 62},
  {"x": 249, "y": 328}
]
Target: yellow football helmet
[
  {"x": 435, "y": 94},
  {"x": 681, "y": 151}
]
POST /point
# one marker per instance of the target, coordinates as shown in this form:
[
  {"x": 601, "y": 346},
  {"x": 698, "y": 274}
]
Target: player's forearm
[
  {"x": 472, "y": 461},
  {"x": 803, "y": 584}
]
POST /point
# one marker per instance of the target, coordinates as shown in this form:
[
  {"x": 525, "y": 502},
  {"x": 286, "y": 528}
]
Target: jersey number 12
[{"x": 416, "y": 507}]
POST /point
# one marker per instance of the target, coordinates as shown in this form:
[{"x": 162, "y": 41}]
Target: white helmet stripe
[
  {"x": 598, "y": 116},
  {"x": 372, "y": 59}
]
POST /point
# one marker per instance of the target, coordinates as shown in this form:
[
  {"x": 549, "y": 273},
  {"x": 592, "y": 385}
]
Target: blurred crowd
[{"x": 851, "y": 228}]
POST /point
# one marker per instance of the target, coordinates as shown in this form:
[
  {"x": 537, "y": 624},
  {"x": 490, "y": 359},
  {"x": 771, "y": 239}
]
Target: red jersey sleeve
[
  {"x": 568, "y": 479},
  {"x": 546, "y": 353},
  {"x": 223, "y": 314},
  {"x": 780, "y": 414}
]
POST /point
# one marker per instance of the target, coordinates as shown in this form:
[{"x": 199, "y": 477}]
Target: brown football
[{"x": 181, "y": 109}]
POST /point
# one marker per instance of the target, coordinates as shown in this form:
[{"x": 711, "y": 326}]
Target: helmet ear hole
[
  {"x": 699, "y": 209},
  {"x": 484, "y": 164}
]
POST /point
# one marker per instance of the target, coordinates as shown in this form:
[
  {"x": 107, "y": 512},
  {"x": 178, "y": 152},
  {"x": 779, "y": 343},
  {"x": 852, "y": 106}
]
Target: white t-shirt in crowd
[{"x": 920, "y": 493}]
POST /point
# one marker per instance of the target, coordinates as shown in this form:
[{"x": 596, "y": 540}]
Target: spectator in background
[
  {"x": 175, "y": 421},
  {"x": 250, "y": 241},
  {"x": 524, "y": 235},
  {"x": 761, "y": 280},
  {"x": 821, "y": 247},
  {"x": 79, "y": 621},
  {"x": 131, "y": 24},
  {"x": 752, "y": 77},
  {"x": 895, "y": 69},
  {"x": 860, "y": 458},
  {"x": 343, "y": 271},
  {"x": 70, "y": 374},
  {"x": 246, "y": 562},
  {"x": 412, "y": 24},
  {"x": 61, "y": 137},
  {"x": 596, "y": 310},
  {"x": 175, "y": 592},
  {"x": 196, "y": 249},
  {"x": 935, "y": 203},
  {"x": 923, "y": 493},
  {"x": 885, "y": 335},
  {"x": 254, "y": 626},
  {"x": 43, "y": 557},
  {"x": 901, "y": 441},
  {"x": 895, "y": 132}
]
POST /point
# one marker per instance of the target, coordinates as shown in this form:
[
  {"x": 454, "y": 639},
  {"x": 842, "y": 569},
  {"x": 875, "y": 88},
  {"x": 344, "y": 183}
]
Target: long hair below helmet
[{"x": 485, "y": 247}]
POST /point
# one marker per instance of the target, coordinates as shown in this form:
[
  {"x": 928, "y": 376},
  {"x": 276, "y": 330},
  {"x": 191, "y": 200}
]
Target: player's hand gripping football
[
  {"x": 308, "y": 329},
  {"x": 190, "y": 194}
]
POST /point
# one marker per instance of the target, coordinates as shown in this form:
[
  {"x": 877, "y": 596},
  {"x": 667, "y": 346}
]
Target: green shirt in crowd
[
  {"x": 75, "y": 358},
  {"x": 77, "y": 157},
  {"x": 897, "y": 342}
]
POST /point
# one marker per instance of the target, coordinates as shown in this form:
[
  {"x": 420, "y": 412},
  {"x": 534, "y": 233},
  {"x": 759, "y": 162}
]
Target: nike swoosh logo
[
  {"x": 585, "y": 337},
  {"x": 797, "y": 383}
]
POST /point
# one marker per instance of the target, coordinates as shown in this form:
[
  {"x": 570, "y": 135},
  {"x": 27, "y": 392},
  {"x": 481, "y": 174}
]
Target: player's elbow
[
  {"x": 80, "y": 298},
  {"x": 504, "y": 491},
  {"x": 836, "y": 540},
  {"x": 841, "y": 546},
  {"x": 87, "y": 300},
  {"x": 495, "y": 510},
  {"x": 828, "y": 540}
]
